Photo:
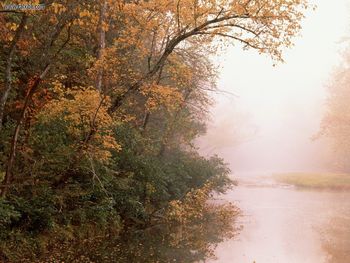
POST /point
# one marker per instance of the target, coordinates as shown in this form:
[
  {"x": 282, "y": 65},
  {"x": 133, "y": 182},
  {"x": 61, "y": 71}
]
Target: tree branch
[{"x": 8, "y": 72}]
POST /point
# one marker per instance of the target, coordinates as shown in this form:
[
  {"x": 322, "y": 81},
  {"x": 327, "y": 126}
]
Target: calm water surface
[{"x": 282, "y": 224}]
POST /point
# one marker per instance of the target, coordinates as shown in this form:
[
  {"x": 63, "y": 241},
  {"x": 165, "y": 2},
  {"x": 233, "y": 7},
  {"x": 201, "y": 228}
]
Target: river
[
  {"x": 277, "y": 224},
  {"x": 282, "y": 224}
]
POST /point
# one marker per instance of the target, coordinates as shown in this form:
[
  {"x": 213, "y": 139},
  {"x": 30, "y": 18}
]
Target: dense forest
[{"x": 100, "y": 103}]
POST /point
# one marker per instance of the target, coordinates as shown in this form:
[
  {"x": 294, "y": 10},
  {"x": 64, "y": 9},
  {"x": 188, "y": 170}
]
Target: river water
[
  {"x": 277, "y": 224},
  {"x": 282, "y": 224}
]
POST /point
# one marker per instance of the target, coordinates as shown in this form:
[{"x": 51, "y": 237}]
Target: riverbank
[
  {"x": 331, "y": 181},
  {"x": 187, "y": 230}
]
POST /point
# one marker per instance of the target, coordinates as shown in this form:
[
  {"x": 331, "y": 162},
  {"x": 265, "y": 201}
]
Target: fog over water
[
  {"x": 282, "y": 224},
  {"x": 268, "y": 125}
]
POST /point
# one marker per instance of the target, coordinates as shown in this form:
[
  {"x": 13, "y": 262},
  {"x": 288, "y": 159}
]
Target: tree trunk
[
  {"x": 8, "y": 72},
  {"x": 102, "y": 43},
  {"x": 169, "y": 128},
  {"x": 11, "y": 158},
  {"x": 32, "y": 89},
  {"x": 145, "y": 121},
  {"x": 147, "y": 113}
]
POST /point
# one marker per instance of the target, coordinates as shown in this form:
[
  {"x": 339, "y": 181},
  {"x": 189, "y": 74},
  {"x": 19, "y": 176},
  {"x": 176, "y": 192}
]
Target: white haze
[{"x": 269, "y": 125}]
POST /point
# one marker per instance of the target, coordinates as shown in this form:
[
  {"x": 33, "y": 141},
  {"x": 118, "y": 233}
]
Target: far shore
[{"x": 332, "y": 181}]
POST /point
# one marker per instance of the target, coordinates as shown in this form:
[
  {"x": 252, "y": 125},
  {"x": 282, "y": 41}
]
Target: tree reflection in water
[
  {"x": 190, "y": 242},
  {"x": 336, "y": 239}
]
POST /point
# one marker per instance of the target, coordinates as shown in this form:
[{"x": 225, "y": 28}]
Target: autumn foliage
[{"x": 100, "y": 102}]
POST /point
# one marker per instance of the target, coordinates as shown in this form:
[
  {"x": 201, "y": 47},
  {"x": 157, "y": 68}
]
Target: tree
[
  {"x": 263, "y": 25},
  {"x": 336, "y": 121},
  {"x": 101, "y": 101}
]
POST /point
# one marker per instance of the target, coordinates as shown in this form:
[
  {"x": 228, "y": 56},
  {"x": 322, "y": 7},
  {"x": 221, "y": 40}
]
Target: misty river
[
  {"x": 283, "y": 224},
  {"x": 277, "y": 224}
]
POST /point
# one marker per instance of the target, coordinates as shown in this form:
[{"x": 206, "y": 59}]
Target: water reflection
[
  {"x": 286, "y": 225},
  {"x": 336, "y": 238},
  {"x": 280, "y": 225},
  {"x": 195, "y": 242}
]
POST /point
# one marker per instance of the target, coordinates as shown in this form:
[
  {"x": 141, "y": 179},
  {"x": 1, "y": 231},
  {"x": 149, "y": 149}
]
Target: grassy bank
[{"x": 315, "y": 180}]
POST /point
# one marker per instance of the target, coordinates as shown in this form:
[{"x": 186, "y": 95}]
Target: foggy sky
[{"x": 268, "y": 126}]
